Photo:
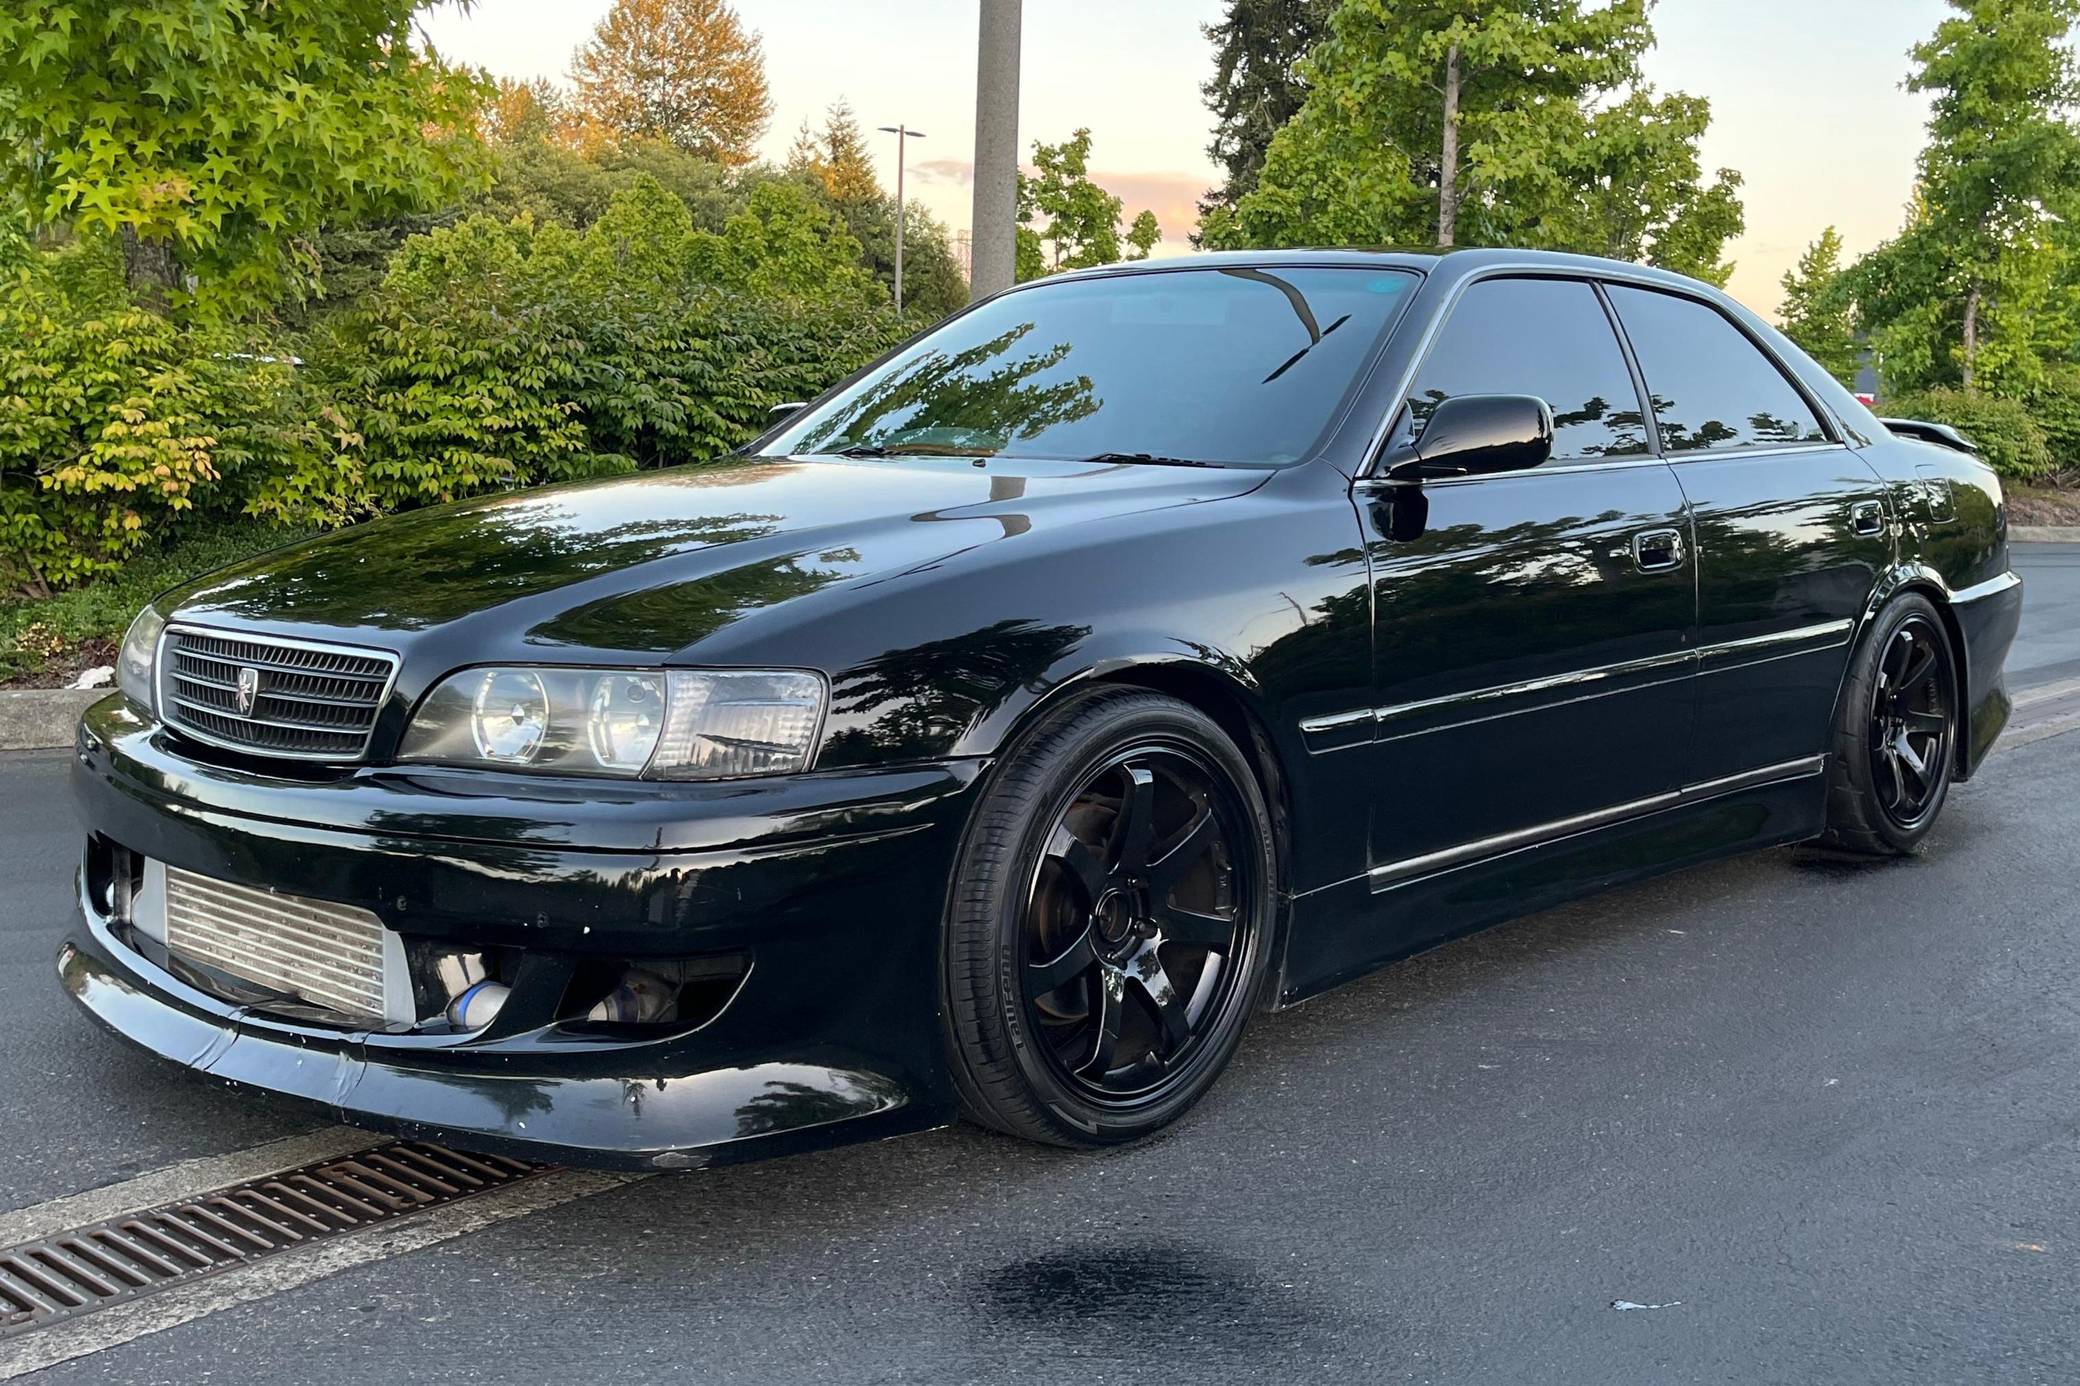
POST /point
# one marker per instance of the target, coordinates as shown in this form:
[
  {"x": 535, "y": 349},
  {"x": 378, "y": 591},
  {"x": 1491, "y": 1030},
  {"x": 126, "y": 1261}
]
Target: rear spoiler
[{"x": 1942, "y": 435}]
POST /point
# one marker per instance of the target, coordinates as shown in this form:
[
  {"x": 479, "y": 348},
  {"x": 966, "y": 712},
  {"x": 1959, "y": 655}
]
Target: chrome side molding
[
  {"x": 1538, "y": 835},
  {"x": 1483, "y": 704}
]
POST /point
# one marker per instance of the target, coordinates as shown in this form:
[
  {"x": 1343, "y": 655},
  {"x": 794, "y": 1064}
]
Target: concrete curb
[
  {"x": 34, "y": 719},
  {"x": 2044, "y": 534}
]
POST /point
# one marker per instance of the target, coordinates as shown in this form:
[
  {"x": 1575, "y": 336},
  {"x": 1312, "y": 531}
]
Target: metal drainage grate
[{"x": 106, "y": 1263}]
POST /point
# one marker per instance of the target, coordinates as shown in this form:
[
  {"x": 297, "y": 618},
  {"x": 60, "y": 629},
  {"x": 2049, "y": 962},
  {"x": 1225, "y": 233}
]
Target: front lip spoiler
[{"x": 722, "y": 1115}]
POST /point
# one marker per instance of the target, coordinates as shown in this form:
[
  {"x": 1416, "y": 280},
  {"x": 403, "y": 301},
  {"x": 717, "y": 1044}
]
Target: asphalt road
[{"x": 1823, "y": 1112}]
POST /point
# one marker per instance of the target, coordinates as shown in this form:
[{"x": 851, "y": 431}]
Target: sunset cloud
[{"x": 1173, "y": 196}]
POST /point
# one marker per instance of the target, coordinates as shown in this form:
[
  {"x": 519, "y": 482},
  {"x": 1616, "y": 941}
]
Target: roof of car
[{"x": 1465, "y": 259}]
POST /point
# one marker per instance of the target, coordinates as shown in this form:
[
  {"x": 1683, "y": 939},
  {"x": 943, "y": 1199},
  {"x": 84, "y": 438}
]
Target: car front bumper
[{"x": 829, "y": 887}]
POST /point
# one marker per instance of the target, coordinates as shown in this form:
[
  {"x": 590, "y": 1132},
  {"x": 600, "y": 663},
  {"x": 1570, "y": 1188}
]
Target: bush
[
  {"x": 2055, "y": 404},
  {"x": 502, "y": 354},
  {"x": 2004, "y": 429},
  {"x": 114, "y": 421}
]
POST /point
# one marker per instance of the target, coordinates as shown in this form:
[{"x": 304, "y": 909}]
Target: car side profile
[{"x": 1136, "y": 650}]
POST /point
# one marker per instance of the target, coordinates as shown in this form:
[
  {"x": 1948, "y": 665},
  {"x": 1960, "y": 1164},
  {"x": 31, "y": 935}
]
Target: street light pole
[{"x": 904, "y": 134}]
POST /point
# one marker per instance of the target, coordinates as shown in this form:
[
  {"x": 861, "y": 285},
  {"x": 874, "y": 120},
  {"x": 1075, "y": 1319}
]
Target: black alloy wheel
[
  {"x": 1109, "y": 929},
  {"x": 1131, "y": 920},
  {"x": 1896, "y": 729},
  {"x": 1910, "y": 723}
]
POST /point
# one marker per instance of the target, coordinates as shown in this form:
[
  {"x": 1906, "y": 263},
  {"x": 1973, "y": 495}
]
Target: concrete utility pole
[
  {"x": 904, "y": 134},
  {"x": 995, "y": 256}
]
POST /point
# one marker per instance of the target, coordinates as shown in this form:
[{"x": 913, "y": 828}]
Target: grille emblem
[{"x": 248, "y": 689}]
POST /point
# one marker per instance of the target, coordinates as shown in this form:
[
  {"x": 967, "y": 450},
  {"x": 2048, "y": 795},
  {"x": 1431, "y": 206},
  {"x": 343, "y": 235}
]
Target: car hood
[{"x": 650, "y": 565}]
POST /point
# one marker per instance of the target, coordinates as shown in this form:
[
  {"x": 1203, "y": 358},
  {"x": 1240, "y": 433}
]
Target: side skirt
[{"x": 1347, "y": 930}]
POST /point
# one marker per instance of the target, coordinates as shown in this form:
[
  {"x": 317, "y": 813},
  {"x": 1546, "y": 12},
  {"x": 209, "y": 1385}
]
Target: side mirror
[
  {"x": 780, "y": 413},
  {"x": 1472, "y": 435}
]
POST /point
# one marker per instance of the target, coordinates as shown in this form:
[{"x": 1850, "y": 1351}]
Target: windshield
[{"x": 1240, "y": 365}]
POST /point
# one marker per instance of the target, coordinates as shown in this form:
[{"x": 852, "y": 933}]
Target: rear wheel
[
  {"x": 1895, "y": 733},
  {"x": 1108, "y": 929}
]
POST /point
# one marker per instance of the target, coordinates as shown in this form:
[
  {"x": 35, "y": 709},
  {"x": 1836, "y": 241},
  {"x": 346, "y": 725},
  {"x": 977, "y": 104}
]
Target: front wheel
[
  {"x": 1895, "y": 739},
  {"x": 1108, "y": 932}
]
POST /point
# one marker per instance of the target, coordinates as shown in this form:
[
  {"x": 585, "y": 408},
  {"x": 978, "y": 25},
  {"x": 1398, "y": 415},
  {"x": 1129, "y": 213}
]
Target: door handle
[
  {"x": 1657, "y": 550},
  {"x": 1867, "y": 517}
]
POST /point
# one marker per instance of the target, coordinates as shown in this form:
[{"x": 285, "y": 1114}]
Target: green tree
[
  {"x": 1491, "y": 122},
  {"x": 211, "y": 138},
  {"x": 784, "y": 244},
  {"x": 686, "y": 71},
  {"x": 1066, "y": 221},
  {"x": 836, "y": 157},
  {"x": 833, "y": 163},
  {"x": 1256, "y": 86},
  {"x": 1976, "y": 290},
  {"x": 1818, "y": 311}
]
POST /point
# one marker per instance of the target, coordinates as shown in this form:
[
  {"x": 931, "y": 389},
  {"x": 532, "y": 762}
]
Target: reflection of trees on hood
[
  {"x": 422, "y": 569},
  {"x": 938, "y": 390}
]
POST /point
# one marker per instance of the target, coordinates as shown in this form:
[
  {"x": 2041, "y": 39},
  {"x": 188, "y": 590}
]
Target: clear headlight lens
[
  {"x": 679, "y": 724},
  {"x": 509, "y": 716},
  {"x": 140, "y": 650}
]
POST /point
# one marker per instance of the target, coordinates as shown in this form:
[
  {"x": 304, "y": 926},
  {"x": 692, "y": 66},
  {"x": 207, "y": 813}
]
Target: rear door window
[
  {"x": 1545, "y": 337},
  {"x": 1712, "y": 388}
]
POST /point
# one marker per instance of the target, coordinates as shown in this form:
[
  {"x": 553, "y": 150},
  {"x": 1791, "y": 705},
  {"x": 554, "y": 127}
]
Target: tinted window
[
  {"x": 1544, "y": 337},
  {"x": 1711, "y": 387},
  {"x": 1231, "y": 365}
]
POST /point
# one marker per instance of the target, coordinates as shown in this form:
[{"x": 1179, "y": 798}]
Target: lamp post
[{"x": 904, "y": 134}]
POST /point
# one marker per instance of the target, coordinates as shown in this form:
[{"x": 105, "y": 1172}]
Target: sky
[{"x": 1807, "y": 98}]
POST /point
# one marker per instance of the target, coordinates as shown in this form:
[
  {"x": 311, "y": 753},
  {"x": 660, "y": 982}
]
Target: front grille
[
  {"x": 330, "y": 955},
  {"x": 302, "y": 700}
]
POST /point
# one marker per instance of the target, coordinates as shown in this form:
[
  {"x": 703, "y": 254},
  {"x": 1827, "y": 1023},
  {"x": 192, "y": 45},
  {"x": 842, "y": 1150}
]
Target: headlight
[
  {"x": 678, "y": 724},
  {"x": 140, "y": 650}
]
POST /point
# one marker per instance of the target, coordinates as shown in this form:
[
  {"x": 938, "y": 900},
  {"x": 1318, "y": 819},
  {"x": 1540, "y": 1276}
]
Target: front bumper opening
[{"x": 315, "y": 962}]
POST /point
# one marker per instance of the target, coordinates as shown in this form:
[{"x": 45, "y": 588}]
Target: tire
[
  {"x": 1108, "y": 927},
  {"x": 1878, "y": 802}
]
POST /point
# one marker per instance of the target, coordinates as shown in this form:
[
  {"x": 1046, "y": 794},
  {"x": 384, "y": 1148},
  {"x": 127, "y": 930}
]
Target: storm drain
[{"x": 107, "y": 1263}]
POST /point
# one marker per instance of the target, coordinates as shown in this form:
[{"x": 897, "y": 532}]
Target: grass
[{"x": 45, "y": 642}]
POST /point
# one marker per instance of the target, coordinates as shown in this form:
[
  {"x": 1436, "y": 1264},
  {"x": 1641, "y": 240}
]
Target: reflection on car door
[
  {"x": 1532, "y": 632},
  {"x": 1791, "y": 530}
]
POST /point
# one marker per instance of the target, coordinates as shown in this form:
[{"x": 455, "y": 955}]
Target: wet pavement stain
[{"x": 1118, "y": 1296}]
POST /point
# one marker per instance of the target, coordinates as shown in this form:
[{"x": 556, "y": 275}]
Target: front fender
[{"x": 1114, "y": 657}]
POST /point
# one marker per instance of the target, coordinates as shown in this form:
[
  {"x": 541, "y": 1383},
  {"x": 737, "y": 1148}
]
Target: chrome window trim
[
  {"x": 1395, "y": 873},
  {"x": 182, "y": 728},
  {"x": 1593, "y": 277}
]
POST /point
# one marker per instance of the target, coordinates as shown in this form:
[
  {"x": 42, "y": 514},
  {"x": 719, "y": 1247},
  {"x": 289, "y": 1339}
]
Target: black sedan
[{"x": 1135, "y": 650}]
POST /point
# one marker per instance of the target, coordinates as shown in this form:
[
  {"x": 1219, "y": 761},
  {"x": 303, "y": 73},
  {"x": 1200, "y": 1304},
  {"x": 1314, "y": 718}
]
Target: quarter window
[
  {"x": 1545, "y": 337},
  {"x": 1712, "y": 389}
]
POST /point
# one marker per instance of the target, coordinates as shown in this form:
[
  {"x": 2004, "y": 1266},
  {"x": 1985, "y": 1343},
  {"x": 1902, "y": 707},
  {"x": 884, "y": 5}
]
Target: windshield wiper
[
  {"x": 1148, "y": 459},
  {"x": 902, "y": 450}
]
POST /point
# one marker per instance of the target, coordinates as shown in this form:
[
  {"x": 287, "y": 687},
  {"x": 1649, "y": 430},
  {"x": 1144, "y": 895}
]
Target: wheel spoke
[
  {"x": 1063, "y": 968},
  {"x": 1931, "y": 723},
  {"x": 1154, "y": 980},
  {"x": 1193, "y": 929},
  {"x": 1885, "y": 770},
  {"x": 1193, "y": 843},
  {"x": 1921, "y": 665},
  {"x": 1137, "y": 819},
  {"x": 1912, "y": 760},
  {"x": 1076, "y": 857},
  {"x": 1108, "y": 1004}
]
